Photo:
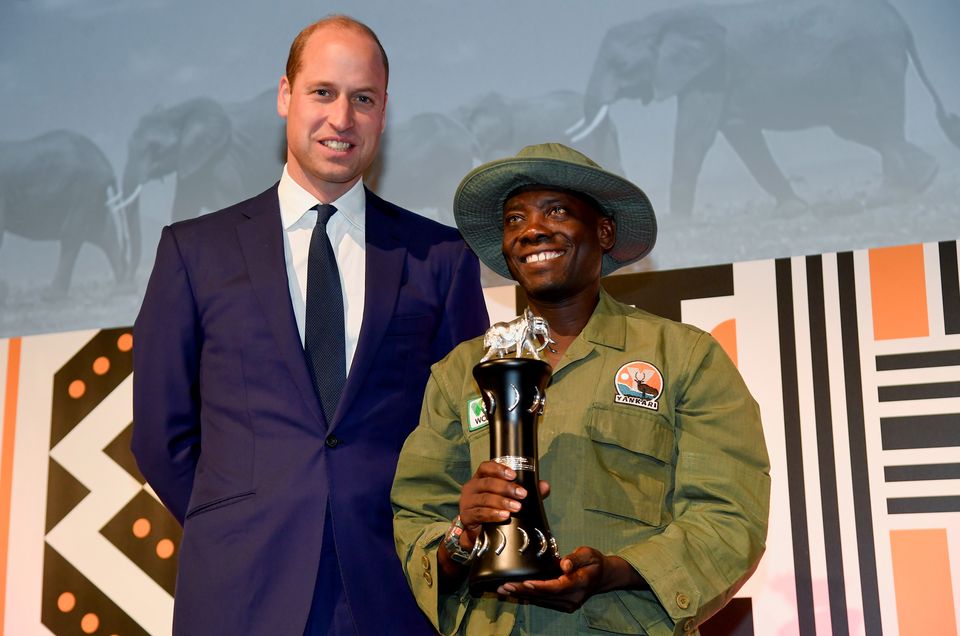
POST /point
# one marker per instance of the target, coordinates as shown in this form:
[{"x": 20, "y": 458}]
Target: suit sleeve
[
  {"x": 465, "y": 311},
  {"x": 721, "y": 497},
  {"x": 166, "y": 358}
]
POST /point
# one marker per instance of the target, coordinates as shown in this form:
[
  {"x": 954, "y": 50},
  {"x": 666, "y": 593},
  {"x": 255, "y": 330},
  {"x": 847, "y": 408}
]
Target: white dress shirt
[{"x": 347, "y": 232}]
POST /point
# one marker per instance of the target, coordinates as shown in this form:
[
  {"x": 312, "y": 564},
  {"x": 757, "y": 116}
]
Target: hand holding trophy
[{"x": 513, "y": 389}]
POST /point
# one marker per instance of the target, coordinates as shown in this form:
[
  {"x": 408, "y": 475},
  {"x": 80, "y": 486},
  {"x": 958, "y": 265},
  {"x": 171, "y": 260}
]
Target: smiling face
[
  {"x": 335, "y": 110},
  {"x": 554, "y": 241}
]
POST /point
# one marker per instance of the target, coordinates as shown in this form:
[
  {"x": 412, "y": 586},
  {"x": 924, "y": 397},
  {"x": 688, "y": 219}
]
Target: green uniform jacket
[{"x": 654, "y": 451}]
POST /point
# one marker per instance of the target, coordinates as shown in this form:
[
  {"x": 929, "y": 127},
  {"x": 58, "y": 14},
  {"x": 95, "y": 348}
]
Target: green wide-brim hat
[{"x": 478, "y": 203}]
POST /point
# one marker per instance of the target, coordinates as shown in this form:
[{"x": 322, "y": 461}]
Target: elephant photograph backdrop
[{"x": 760, "y": 129}]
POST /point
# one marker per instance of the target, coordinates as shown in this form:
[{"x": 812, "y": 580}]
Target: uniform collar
[{"x": 607, "y": 327}]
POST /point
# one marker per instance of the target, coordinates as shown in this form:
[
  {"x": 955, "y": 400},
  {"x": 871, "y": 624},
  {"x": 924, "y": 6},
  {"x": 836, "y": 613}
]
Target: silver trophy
[{"x": 513, "y": 378}]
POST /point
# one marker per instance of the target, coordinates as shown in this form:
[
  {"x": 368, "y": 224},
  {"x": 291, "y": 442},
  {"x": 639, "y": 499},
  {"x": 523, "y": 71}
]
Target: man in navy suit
[{"x": 285, "y": 509}]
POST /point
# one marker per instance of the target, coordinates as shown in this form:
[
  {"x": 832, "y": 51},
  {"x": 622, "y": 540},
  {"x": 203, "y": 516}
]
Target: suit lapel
[
  {"x": 385, "y": 254},
  {"x": 261, "y": 240}
]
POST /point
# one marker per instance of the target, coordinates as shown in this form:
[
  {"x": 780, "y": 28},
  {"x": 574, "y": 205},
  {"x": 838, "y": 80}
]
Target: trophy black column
[{"x": 522, "y": 547}]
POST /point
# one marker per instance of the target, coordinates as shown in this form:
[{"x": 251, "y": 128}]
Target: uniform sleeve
[
  {"x": 465, "y": 311},
  {"x": 166, "y": 356},
  {"x": 434, "y": 464},
  {"x": 721, "y": 494}
]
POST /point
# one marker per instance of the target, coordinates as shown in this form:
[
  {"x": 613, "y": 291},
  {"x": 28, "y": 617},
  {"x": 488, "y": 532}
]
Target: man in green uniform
[{"x": 650, "y": 442}]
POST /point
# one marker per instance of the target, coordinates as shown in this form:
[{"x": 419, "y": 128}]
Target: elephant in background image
[
  {"x": 773, "y": 65},
  {"x": 421, "y": 161},
  {"x": 60, "y": 186},
  {"x": 220, "y": 153},
  {"x": 503, "y": 126}
]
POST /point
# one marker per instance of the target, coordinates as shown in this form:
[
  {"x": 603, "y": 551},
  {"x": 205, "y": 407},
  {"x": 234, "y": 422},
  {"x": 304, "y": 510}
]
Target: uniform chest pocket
[{"x": 634, "y": 456}]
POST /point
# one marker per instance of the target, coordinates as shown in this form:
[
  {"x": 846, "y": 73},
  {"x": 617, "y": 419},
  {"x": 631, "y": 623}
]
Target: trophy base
[
  {"x": 512, "y": 556},
  {"x": 489, "y": 582}
]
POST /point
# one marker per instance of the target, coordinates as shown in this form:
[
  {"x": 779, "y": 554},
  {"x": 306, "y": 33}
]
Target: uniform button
[
  {"x": 425, "y": 560},
  {"x": 689, "y": 625},
  {"x": 332, "y": 441},
  {"x": 683, "y": 602},
  {"x": 428, "y": 578}
]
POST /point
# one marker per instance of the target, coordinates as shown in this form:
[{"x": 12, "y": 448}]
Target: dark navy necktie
[{"x": 324, "y": 329}]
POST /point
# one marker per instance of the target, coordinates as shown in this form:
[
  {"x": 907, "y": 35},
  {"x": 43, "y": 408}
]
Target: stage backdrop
[
  {"x": 854, "y": 358},
  {"x": 760, "y": 129}
]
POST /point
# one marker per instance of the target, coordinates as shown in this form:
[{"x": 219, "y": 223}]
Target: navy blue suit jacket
[{"x": 230, "y": 434}]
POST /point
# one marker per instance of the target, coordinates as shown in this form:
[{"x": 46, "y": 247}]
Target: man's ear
[
  {"x": 383, "y": 113},
  {"x": 283, "y": 96},
  {"x": 607, "y": 232}
]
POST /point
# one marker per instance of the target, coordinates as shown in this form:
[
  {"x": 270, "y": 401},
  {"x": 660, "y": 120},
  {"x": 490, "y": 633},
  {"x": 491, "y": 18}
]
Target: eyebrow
[{"x": 320, "y": 83}]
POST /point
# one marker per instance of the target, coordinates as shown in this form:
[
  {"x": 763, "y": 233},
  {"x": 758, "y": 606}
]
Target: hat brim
[{"x": 478, "y": 206}]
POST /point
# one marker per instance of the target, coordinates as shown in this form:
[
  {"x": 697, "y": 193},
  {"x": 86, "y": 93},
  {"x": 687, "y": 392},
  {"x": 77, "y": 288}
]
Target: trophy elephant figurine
[{"x": 519, "y": 336}]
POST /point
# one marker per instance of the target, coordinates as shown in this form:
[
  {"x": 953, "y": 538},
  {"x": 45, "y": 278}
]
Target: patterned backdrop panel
[{"x": 96, "y": 546}]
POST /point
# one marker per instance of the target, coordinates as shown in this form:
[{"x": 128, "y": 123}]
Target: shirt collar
[
  {"x": 607, "y": 326},
  {"x": 295, "y": 202}
]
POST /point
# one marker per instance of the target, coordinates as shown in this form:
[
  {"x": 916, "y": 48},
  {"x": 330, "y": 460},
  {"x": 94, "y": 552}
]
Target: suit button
[
  {"x": 332, "y": 441},
  {"x": 690, "y": 625},
  {"x": 425, "y": 560},
  {"x": 683, "y": 602},
  {"x": 428, "y": 578}
]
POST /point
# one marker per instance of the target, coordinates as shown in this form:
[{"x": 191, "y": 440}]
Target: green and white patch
[{"x": 476, "y": 414}]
